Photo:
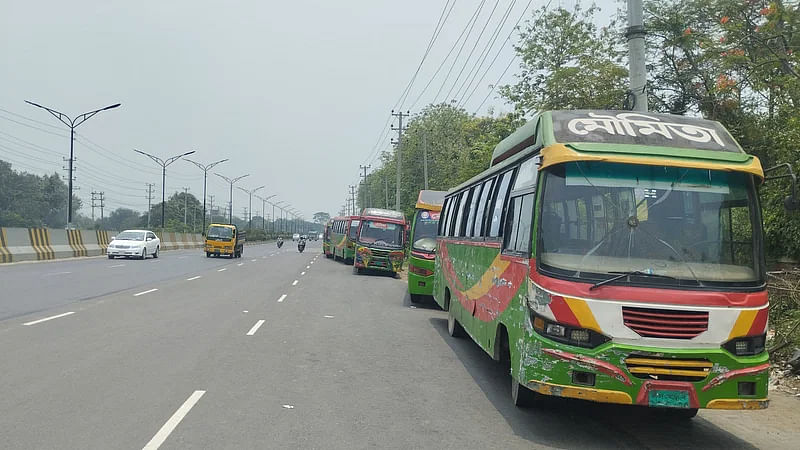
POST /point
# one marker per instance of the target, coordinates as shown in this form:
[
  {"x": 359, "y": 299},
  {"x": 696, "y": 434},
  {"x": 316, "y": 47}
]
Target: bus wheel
[
  {"x": 521, "y": 395},
  {"x": 416, "y": 298},
  {"x": 454, "y": 328}
]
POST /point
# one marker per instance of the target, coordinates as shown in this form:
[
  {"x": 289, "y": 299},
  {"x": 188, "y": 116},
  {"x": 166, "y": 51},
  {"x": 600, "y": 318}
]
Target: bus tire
[
  {"x": 416, "y": 298},
  {"x": 454, "y": 329},
  {"x": 521, "y": 395}
]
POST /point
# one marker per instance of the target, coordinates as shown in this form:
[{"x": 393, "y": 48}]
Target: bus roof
[
  {"x": 385, "y": 214},
  {"x": 430, "y": 200},
  {"x": 627, "y": 137}
]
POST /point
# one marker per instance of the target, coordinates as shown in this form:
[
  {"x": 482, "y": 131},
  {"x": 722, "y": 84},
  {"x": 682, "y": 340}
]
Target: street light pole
[
  {"x": 72, "y": 124},
  {"x": 205, "y": 170},
  {"x": 250, "y": 193},
  {"x": 164, "y": 163},
  {"x": 232, "y": 181},
  {"x": 263, "y": 210}
]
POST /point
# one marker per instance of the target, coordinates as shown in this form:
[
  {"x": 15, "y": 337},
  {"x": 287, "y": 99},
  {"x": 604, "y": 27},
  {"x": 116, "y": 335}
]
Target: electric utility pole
[
  {"x": 398, "y": 151},
  {"x": 149, "y": 201},
  {"x": 185, "y": 204},
  {"x": 353, "y": 198},
  {"x": 636, "y": 55},
  {"x": 364, "y": 183},
  {"x": 210, "y": 210},
  {"x": 94, "y": 205},
  {"x": 72, "y": 124},
  {"x": 102, "y": 198}
]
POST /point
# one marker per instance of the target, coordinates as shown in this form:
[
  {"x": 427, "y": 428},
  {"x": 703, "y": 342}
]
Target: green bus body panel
[{"x": 414, "y": 280}]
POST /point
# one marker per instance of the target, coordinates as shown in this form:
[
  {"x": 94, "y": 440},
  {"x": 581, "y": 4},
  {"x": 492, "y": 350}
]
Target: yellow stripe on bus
[
  {"x": 583, "y": 313},
  {"x": 743, "y": 323},
  {"x": 483, "y": 285}
]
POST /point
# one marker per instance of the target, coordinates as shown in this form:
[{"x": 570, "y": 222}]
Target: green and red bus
[
  {"x": 614, "y": 257},
  {"x": 343, "y": 236},
  {"x": 423, "y": 244},
  {"x": 380, "y": 242},
  {"x": 327, "y": 248}
]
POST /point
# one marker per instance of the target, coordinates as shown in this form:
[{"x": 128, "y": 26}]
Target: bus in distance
[
  {"x": 342, "y": 238},
  {"x": 423, "y": 244},
  {"x": 380, "y": 241},
  {"x": 614, "y": 257}
]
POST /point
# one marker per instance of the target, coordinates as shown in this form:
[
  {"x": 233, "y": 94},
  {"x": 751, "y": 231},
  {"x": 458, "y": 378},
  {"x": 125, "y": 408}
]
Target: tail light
[{"x": 421, "y": 271}]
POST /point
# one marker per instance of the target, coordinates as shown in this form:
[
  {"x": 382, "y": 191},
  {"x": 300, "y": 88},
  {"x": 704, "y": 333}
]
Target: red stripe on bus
[
  {"x": 489, "y": 244},
  {"x": 759, "y": 323},
  {"x": 649, "y": 295},
  {"x": 562, "y": 311}
]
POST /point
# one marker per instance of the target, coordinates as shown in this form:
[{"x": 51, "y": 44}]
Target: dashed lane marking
[
  {"x": 223, "y": 269},
  {"x": 194, "y": 278},
  {"x": 255, "y": 327},
  {"x": 49, "y": 318},
  {"x": 302, "y": 273},
  {"x": 240, "y": 264},
  {"x": 145, "y": 292},
  {"x": 173, "y": 421},
  {"x": 116, "y": 265},
  {"x": 283, "y": 297},
  {"x": 294, "y": 283}
]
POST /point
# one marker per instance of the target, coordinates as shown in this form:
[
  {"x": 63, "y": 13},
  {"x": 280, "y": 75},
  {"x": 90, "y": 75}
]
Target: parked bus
[
  {"x": 380, "y": 242},
  {"x": 615, "y": 257},
  {"x": 327, "y": 248},
  {"x": 343, "y": 238},
  {"x": 423, "y": 244}
]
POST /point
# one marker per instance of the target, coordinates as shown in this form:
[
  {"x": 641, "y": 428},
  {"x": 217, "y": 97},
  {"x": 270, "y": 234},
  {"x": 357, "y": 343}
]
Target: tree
[
  {"x": 122, "y": 219},
  {"x": 28, "y": 200},
  {"x": 567, "y": 63},
  {"x": 321, "y": 217}
]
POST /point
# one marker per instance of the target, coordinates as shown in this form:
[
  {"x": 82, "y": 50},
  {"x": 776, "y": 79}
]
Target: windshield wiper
[{"x": 621, "y": 275}]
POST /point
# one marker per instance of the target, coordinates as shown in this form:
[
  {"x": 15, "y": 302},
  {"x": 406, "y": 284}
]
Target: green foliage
[
  {"x": 321, "y": 217},
  {"x": 567, "y": 63},
  {"x": 28, "y": 200}
]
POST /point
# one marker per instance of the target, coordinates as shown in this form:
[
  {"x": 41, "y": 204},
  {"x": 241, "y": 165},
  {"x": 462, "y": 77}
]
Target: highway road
[{"x": 283, "y": 350}]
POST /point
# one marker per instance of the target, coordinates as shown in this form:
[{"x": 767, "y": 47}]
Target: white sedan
[{"x": 134, "y": 244}]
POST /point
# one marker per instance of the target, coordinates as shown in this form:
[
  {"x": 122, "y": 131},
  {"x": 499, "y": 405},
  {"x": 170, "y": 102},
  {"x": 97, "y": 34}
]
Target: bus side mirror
[{"x": 791, "y": 202}]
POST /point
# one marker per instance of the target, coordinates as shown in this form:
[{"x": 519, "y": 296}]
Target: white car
[
  {"x": 296, "y": 237},
  {"x": 134, "y": 244}
]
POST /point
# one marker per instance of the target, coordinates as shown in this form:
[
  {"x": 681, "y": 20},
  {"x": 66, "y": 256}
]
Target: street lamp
[
  {"x": 232, "y": 181},
  {"x": 163, "y": 163},
  {"x": 263, "y": 212},
  {"x": 278, "y": 204},
  {"x": 250, "y": 193},
  {"x": 72, "y": 124},
  {"x": 205, "y": 170}
]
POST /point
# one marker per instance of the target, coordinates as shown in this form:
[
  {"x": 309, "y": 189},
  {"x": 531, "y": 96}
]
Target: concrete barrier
[
  {"x": 5, "y": 255},
  {"x": 18, "y": 244},
  {"x": 89, "y": 240},
  {"x": 40, "y": 240},
  {"x": 103, "y": 239},
  {"x": 59, "y": 244},
  {"x": 75, "y": 240},
  {"x": 184, "y": 239}
]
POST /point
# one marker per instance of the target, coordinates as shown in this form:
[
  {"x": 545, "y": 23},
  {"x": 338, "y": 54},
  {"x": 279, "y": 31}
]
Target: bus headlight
[
  {"x": 567, "y": 334},
  {"x": 746, "y": 346}
]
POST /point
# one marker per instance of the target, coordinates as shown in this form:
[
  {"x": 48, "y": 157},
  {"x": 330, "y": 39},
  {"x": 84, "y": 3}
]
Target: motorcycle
[
  {"x": 280, "y": 243},
  {"x": 301, "y": 246}
]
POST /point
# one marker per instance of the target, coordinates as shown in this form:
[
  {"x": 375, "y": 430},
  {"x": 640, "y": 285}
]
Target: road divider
[
  {"x": 5, "y": 255},
  {"x": 75, "y": 240}
]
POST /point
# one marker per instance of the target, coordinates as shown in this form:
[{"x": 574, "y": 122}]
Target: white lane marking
[
  {"x": 240, "y": 264},
  {"x": 118, "y": 265},
  {"x": 56, "y": 273},
  {"x": 194, "y": 278},
  {"x": 288, "y": 406},
  {"x": 294, "y": 283},
  {"x": 328, "y": 317},
  {"x": 312, "y": 262},
  {"x": 173, "y": 421},
  {"x": 145, "y": 292},
  {"x": 245, "y": 311},
  {"x": 302, "y": 273},
  {"x": 255, "y": 327},
  {"x": 308, "y": 267},
  {"x": 223, "y": 269},
  {"x": 253, "y": 260},
  {"x": 49, "y": 318},
  {"x": 283, "y": 297}
]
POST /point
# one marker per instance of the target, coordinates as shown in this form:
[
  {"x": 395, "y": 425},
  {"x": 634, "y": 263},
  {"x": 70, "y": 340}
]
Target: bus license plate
[{"x": 670, "y": 399}]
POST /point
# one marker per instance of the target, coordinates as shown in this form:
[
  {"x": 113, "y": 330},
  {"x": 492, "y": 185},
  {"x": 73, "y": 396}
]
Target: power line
[{"x": 470, "y": 24}]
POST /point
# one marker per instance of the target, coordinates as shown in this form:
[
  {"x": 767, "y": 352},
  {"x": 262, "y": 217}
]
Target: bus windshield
[
  {"x": 353, "y": 229},
  {"x": 220, "y": 232},
  {"x": 425, "y": 227},
  {"x": 381, "y": 234},
  {"x": 690, "y": 227}
]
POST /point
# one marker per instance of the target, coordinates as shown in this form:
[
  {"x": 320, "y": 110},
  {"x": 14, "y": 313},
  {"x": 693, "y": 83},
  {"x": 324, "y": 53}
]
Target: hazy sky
[{"x": 295, "y": 93}]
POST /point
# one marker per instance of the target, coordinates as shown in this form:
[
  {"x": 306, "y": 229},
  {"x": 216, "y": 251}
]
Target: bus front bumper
[{"x": 646, "y": 376}]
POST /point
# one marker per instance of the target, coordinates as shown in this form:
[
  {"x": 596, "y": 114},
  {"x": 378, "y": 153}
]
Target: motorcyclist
[
  {"x": 279, "y": 242},
  {"x": 301, "y": 244}
]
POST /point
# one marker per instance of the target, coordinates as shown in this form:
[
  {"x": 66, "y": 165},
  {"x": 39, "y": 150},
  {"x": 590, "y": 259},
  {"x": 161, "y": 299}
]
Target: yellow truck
[{"x": 225, "y": 240}]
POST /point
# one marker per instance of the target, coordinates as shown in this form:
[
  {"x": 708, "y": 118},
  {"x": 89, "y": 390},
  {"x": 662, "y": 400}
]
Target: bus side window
[
  {"x": 483, "y": 202},
  {"x": 443, "y": 216},
  {"x": 499, "y": 204},
  {"x": 463, "y": 211},
  {"x": 451, "y": 219},
  {"x": 521, "y": 224},
  {"x": 469, "y": 231}
]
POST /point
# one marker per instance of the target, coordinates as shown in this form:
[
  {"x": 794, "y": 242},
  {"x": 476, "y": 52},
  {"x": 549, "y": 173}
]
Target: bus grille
[
  {"x": 380, "y": 253},
  {"x": 655, "y": 368},
  {"x": 664, "y": 323}
]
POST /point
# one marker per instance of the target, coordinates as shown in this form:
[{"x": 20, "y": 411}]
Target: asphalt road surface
[{"x": 283, "y": 350}]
